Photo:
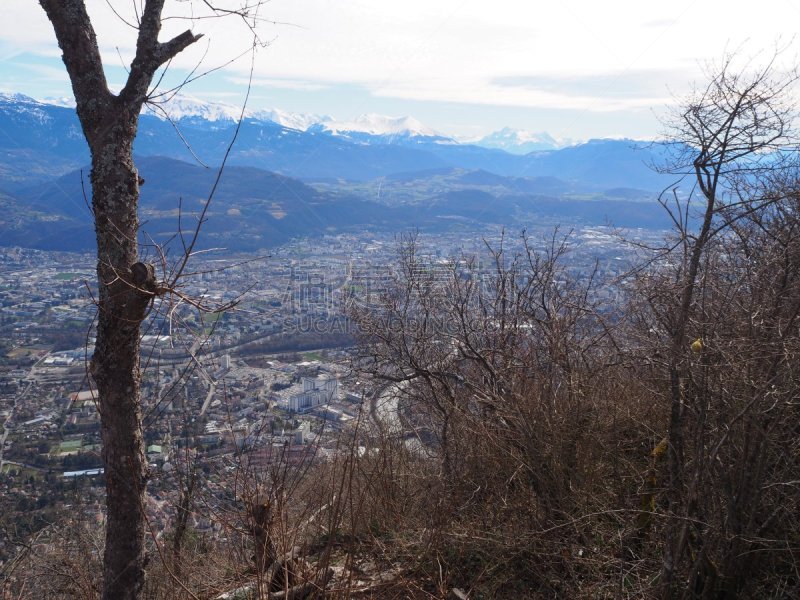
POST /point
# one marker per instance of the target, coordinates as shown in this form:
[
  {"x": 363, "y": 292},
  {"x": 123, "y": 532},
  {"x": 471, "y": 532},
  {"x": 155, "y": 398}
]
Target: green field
[
  {"x": 21, "y": 471},
  {"x": 69, "y": 446}
]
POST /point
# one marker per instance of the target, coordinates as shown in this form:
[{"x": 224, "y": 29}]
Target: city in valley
[{"x": 248, "y": 363}]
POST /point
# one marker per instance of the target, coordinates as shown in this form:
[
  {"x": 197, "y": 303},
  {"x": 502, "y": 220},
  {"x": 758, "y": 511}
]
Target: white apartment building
[{"x": 315, "y": 392}]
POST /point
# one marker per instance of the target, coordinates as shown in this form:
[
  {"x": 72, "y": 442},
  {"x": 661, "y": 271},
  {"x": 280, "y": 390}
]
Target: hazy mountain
[
  {"x": 251, "y": 208},
  {"x": 38, "y": 141},
  {"x": 379, "y": 172},
  {"x": 518, "y": 141},
  {"x": 45, "y": 140},
  {"x": 255, "y": 209},
  {"x": 181, "y": 107},
  {"x": 378, "y": 125},
  {"x": 604, "y": 164}
]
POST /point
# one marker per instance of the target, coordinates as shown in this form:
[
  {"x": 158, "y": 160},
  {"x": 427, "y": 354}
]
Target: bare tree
[
  {"x": 730, "y": 139},
  {"x": 499, "y": 363},
  {"x": 471, "y": 344},
  {"x": 127, "y": 286}
]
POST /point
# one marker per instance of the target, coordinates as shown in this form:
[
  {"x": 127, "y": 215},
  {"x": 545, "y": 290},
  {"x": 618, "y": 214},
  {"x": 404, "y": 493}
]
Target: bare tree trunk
[
  {"x": 125, "y": 290},
  {"x": 724, "y": 132},
  {"x": 677, "y": 530},
  {"x": 187, "y": 487},
  {"x": 261, "y": 526},
  {"x": 126, "y": 286}
]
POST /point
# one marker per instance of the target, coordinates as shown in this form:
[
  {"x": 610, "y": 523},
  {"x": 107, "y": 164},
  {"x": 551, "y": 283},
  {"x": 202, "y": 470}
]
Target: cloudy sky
[{"x": 575, "y": 68}]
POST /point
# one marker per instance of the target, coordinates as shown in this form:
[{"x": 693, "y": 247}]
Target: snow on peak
[
  {"x": 181, "y": 106},
  {"x": 373, "y": 124},
  {"x": 13, "y": 98},
  {"x": 62, "y": 101},
  {"x": 300, "y": 121},
  {"x": 519, "y": 141},
  {"x": 24, "y": 105},
  {"x": 184, "y": 106}
]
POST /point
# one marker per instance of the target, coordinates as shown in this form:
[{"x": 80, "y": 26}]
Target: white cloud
[
  {"x": 46, "y": 72},
  {"x": 495, "y": 95},
  {"x": 464, "y": 51},
  {"x": 284, "y": 84}
]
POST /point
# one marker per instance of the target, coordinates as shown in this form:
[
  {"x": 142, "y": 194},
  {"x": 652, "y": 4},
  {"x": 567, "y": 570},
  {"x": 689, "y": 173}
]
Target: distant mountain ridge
[
  {"x": 291, "y": 175},
  {"x": 43, "y": 140},
  {"x": 518, "y": 141},
  {"x": 180, "y": 107},
  {"x": 255, "y": 209}
]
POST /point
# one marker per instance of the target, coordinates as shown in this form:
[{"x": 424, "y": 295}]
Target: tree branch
[
  {"x": 81, "y": 55},
  {"x": 169, "y": 50},
  {"x": 150, "y": 55}
]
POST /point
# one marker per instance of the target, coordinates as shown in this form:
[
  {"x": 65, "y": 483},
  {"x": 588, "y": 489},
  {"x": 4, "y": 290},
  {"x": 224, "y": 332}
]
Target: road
[
  {"x": 212, "y": 387},
  {"x": 384, "y": 407},
  {"x": 384, "y": 411}
]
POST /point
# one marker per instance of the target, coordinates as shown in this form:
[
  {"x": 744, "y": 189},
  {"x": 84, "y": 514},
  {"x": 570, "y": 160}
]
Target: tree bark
[
  {"x": 126, "y": 286},
  {"x": 123, "y": 299}
]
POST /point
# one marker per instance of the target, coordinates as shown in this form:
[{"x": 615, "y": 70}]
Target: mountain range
[{"x": 291, "y": 174}]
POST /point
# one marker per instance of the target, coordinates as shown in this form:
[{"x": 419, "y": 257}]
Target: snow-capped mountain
[
  {"x": 181, "y": 107},
  {"x": 44, "y": 158},
  {"x": 367, "y": 128},
  {"x": 63, "y": 101},
  {"x": 299, "y": 121},
  {"x": 518, "y": 141},
  {"x": 22, "y": 104},
  {"x": 45, "y": 138},
  {"x": 380, "y": 125},
  {"x": 12, "y": 99}
]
